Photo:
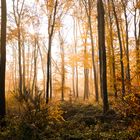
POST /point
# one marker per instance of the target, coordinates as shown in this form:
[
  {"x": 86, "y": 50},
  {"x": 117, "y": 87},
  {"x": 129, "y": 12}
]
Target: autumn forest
[{"x": 70, "y": 70}]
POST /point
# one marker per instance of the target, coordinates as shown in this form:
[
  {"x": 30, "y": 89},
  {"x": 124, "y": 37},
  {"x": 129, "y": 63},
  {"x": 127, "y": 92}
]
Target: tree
[
  {"x": 124, "y": 4},
  {"x": 110, "y": 43},
  {"x": 18, "y": 12},
  {"x": 3, "y": 58},
  {"x": 102, "y": 54},
  {"x": 62, "y": 66},
  {"x": 121, "y": 48},
  {"x": 88, "y": 8},
  {"x": 51, "y": 25},
  {"x": 137, "y": 38},
  {"x": 75, "y": 52},
  {"x": 86, "y": 72}
]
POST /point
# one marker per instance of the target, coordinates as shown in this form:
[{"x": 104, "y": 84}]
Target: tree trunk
[
  {"x": 24, "y": 72},
  {"x": 62, "y": 67},
  {"x": 73, "y": 81},
  {"x": 137, "y": 43},
  {"x": 86, "y": 83},
  {"x": 3, "y": 59},
  {"x": 48, "y": 69},
  {"x": 63, "y": 71},
  {"x": 19, "y": 59},
  {"x": 112, "y": 52},
  {"x": 75, "y": 52},
  {"x": 102, "y": 51},
  {"x": 121, "y": 49},
  {"x": 35, "y": 67},
  {"x": 127, "y": 46},
  {"x": 93, "y": 60},
  {"x": 51, "y": 25}
]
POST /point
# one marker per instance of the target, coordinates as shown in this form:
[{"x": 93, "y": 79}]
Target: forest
[{"x": 70, "y": 70}]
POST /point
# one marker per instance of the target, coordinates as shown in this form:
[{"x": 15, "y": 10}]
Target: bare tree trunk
[
  {"x": 43, "y": 71},
  {"x": 48, "y": 70},
  {"x": 102, "y": 50},
  {"x": 137, "y": 43},
  {"x": 93, "y": 61},
  {"x": 75, "y": 52},
  {"x": 86, "y": 83},
  {"x": 51, "y": 25},
  {"x": 28, "y": 68},
  {"x": 88, "y": 9},
  {"x": 62, "y": 66},
  {"x": 112, "y": 52},
  {"x": 127, "y": 46},
  {"x": 86, "y": 75},
  {"x": 19, "y": 60},
  {"x": 23, "y": 76},
  {"x": 73, "y": 80},
  {"x": 51, "y": 79},
  {"x": 77, "y": 85},
  {"x": 14, "y": 69},
  {"x": 17, "y": 16},
  {"x": 63, "y": 71},
  {"x": 35, "y": 67},
  {"x": 121, "y": 49},
  {"x": 3, "y": 59},
  {"x": 76, "y": 76}
]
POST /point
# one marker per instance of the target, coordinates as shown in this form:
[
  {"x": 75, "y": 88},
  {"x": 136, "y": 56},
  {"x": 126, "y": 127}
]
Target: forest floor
[{"x": 71, "y": 121}]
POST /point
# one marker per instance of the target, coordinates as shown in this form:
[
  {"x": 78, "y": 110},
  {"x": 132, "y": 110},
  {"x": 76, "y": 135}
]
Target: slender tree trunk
[
  {"x": 75, "y": 52},
  {"x": 43, "y": 71},
  {"x": 62, "y": 67},
  {"x": 73, "y": 80},
  {"x": 112, "y": 51},
  {"x": 28, "y": 68},
  {"x": 51, "y": 25},
  {"x": 93, "y": 60},
  {"x": 48, "y": 69},
  {"x": 17, "y": 15},
  {"x": 138, "y": 56},
  {"x": 102, "y": 50},
  {"x": 127, "y": 46},
  {"x": 51, "y": 90},
  {"x": 86, "y": 74},
  {"x": 19, "y": 59},
  {"x": 86, "y": 84},
  {"x": 23, "y": 76},
  {"x": 91, "y": 81},
  {"x": 14, "y": 69},
  {"x": 121, "y": 49},
  {"x": 3, "y": 59},
  {"x": 35, "y": 67},
  {"x": 63, "y": 72},
  {"x": 137, "y": 43},
  {"x": 76, "y": 76}
]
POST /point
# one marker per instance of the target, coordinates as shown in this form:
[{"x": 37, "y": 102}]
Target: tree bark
[
  {"x": 121, "y": 49},
  {"x": 112, "y": 51},
  {"x": 127, "y": 46},
  {"x": 51, "y": 25},
  {"x": 137, "y": 43},
  {"x": 93, "y": 60},
  {"x": 102, "y": 51},
  {"x": 3, "y": 59}
]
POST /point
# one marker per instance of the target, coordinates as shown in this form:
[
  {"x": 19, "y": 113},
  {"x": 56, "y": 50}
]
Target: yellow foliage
[
  {"x": 86, "y": 44},
  {"x": 50, "y": 5},
  {"x": 73, "y": 59},
  {"x": 67, "y": 4},
  {"x": 55, "y": 112},
  {"x": 58, "y": 24},
  {"x": 138, "y": 5}
]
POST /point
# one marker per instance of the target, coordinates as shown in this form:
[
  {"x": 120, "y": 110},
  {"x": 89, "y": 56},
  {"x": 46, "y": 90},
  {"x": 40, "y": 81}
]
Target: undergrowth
[{"x": 70, "y": 121}]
